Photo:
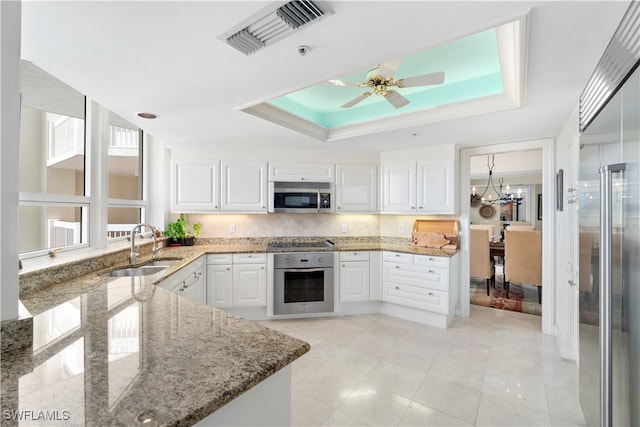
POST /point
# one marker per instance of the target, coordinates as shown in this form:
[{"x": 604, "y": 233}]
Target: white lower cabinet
[
  {"x": 354, "y": 276},
  {"x": 418, "y": 281},
  {"x": 190, "y": 281},
  {"x": 249, "y": 285},
  {"x": 237, "y": 280}
]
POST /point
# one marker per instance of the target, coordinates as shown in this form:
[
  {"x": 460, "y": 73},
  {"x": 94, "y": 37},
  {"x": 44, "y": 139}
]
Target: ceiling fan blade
[
  {"x": 343, "y": 83},
  {"x": 354, "y": 101},
  {"x": 423, "y": 80},
  {"x": 389, "y": 68},
  {"x": 396, "y": 99}
]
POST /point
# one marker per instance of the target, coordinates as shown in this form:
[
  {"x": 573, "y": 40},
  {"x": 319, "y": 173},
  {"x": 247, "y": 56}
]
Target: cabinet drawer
[
  {"x": 250, "y": 258},
  {"x": 416, "y": 275},
  {"x": 397, "y": 257},
  {"x": 219, "y": 258},
  {"x": 431, "y": 261},
  {"x": 416, "y": 297},
  {"x": 354, "y": 256}
]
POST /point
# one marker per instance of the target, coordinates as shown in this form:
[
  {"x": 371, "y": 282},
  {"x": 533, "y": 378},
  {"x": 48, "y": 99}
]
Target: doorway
[
  {"x": 547, "y": 226},
  {"x": 506, "y": 190}
]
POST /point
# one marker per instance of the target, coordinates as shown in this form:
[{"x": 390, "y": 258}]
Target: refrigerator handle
[{"x": 606, "y": 229}]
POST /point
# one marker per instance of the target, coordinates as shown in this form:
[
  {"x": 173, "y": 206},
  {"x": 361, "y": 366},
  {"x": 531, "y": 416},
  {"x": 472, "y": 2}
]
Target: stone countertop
[{"x": 111, "y": 351}]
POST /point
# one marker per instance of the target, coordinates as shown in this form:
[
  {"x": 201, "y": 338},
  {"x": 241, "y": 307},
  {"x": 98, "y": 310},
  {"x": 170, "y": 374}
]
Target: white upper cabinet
[
  {"x": 301, "y": 172},
  {"x": 399, "y": 188},
  {"x": 195, "y": 186},
  {"x": 356, "y": 188},
  {"x": 423, "y": 188},
  {"x": 243, "y": 186},
  {"x": 435, "y": 189}
]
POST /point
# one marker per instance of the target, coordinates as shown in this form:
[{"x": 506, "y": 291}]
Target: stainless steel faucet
[{"x": 132, "y": 254}]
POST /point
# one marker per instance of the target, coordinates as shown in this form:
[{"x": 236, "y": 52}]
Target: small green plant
[
  {"x": 177, "y": 230},
  {"x": 196, "y": 229}
]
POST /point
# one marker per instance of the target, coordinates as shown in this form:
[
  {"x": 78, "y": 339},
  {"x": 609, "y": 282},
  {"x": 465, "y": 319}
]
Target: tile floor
[{"x": 494, "y": 369}]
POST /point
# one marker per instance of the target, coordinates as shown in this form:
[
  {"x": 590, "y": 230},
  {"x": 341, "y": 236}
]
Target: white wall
[{"x": 10, "y": 19}]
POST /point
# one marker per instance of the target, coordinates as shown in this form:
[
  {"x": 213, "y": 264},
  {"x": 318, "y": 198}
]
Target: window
[
  {"x": 124, "y": 165},
  {"x": 53, "y": 208},
  {"x": 54, "y": 170}
]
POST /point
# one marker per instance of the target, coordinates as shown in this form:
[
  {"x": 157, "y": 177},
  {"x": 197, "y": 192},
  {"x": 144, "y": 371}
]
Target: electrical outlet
[
  {"x": 401, "y": 229},
  {"x": 232, "y": 229},
  {"x": 343, "y": 228}
]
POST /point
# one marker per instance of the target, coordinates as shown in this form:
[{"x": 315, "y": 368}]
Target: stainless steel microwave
[{"x": 301, "y": 197}]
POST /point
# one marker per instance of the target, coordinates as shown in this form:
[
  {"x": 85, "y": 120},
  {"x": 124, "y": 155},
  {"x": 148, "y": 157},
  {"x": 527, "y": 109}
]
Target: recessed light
[{"x": 147, "y": 115}]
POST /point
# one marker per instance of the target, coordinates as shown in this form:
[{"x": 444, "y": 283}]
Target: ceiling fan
[{"x": 380, "y": 79}]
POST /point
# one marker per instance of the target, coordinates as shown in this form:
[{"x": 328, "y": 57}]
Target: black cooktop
[{"x": 287, "y": 246}]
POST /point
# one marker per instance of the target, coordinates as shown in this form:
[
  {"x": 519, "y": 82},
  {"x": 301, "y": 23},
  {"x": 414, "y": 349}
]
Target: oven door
[{"x": 303, "y": 290}]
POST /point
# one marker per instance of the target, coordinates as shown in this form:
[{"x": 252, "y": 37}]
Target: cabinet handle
[
  {"x": 398, "y": 287},
  {"x": 430, "y": 271},
  {"x": 419, "y": 207},
  {"x": 572, "y": 283},
  {"x": 413, "y": 207},
  {"x": 261, "y": 268},
  {"x": 397, "y": 266},
  {"x": 430, "y": 294},
  {"x": 343, "y": 265},
  {"x": 430, "y": 259}
]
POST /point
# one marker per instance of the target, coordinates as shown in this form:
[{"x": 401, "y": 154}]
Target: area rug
[{"x": 522, "y": 298}]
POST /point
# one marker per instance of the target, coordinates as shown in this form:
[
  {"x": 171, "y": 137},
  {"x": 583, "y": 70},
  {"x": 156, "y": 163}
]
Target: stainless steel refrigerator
[{"x": 609, "y": 260}]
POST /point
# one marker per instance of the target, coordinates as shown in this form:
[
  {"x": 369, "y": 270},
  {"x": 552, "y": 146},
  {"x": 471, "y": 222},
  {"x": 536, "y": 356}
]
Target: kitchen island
[{"x": 122, "y": 351}]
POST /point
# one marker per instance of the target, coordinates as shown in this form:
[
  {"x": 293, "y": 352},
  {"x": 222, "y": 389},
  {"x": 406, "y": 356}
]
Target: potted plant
[
  {"x": 190, "y": 238},
  {"x": 177, "y": 231}
]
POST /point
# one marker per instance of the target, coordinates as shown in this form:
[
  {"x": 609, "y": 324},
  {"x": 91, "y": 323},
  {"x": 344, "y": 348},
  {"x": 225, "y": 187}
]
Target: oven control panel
[{"x": 303, "y": 260}]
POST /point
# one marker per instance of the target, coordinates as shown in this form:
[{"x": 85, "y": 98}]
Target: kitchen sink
[
  {"x": 167, "y": 262},
  {"x": 136, "y": 271}
]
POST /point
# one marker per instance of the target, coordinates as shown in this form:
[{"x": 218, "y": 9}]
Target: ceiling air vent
[{"x": 272, "y": 24}]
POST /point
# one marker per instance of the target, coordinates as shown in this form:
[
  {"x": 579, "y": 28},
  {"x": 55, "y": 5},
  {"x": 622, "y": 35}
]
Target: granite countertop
[{"x": 114, "y": 351}]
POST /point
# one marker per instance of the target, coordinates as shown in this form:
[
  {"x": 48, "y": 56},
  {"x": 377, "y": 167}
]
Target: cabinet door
[
  {"x": 435, "y": 193},
  {"x": 249, "y": 285},
  {"x": 219, "y": 285},
  {"x": 354, "y": 281},
  {"x": 195, "y": 186},
  {"x": 399, "y": 188},
  {"x": 356, "y": 188},
  {"x": 194, "y": 286},
  {"x": 243, "y": 186},
  {"x": 301, "y": 172}
]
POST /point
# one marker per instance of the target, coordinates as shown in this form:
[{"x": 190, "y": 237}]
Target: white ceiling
[{"x": 164, "y": 57}]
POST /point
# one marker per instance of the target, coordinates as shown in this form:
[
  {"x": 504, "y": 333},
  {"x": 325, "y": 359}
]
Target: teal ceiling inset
[{"x": 472, "y": 70}]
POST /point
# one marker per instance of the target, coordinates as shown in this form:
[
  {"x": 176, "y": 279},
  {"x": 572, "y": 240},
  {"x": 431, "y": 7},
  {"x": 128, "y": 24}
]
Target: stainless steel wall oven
[{"x": 303, "y": 283}]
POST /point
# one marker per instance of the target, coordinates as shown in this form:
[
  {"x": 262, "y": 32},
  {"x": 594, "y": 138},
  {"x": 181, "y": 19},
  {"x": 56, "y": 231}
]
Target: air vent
[{"x": 272, "y": 24}]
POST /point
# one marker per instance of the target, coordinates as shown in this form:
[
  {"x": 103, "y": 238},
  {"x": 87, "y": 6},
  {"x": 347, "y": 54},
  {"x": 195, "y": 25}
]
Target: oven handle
[{"x": 310, "y": 270}]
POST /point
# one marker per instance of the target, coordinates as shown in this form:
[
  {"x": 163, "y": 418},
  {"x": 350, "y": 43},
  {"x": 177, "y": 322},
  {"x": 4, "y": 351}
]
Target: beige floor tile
[
  {"x": 306, "y": 411},
  {"x": 495, "y": 412},
  {"x": 513, "y": 389},
  {"x": 394, "y": 378},
  {"x": 448, "y": 397},
  {"x": 327, "y": 385},
  {"x": 421, "y": 415},
  {"x": 372, "y": 345},
  {"x": 351, "y": 362},
  {"x": 464, "y": 372},
  {"x": 340, "y": 419},
  {"x": 375, "y": 405}
]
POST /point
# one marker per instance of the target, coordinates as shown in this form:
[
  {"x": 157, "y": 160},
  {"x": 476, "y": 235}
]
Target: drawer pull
[
  {"x": 430, "y": 259},
  {"x": 430, "y": 271},
  {"x": 397, "y": 266},
  {"x": 430, "y": 294},
  {"x": 397, "y": 287}
]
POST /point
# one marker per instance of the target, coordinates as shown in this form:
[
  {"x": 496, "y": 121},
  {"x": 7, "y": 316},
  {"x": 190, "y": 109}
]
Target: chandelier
[{"x": 492, "y": 195}]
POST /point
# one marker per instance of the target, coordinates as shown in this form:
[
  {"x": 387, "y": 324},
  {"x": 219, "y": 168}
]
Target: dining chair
[
  {"x": 482, "y": 264},
  {"x": 523, "y": 259}
]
